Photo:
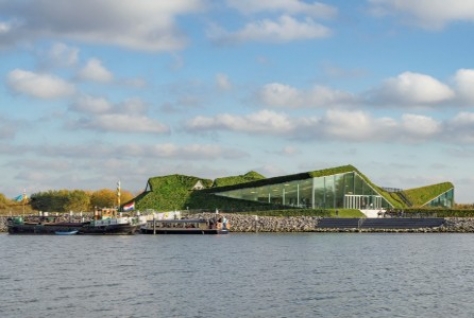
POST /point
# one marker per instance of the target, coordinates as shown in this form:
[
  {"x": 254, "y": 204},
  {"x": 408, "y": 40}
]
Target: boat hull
[
  {"x": 183, "y": 231},
  {"x": 65, "y": 233},
  {"x": 39, "y": 229},
  {"x": 64, "y": 229},
  {"x": 120, "y": 229}
]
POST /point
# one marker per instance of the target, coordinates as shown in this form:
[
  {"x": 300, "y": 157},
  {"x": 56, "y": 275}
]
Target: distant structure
[{"x": 332, "y": 188}]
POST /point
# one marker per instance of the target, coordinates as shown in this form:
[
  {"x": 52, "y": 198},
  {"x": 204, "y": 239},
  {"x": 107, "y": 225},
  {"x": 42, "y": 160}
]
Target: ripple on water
[{"x": 239, "y": 275}]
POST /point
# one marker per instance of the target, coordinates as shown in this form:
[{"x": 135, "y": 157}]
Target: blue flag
[{"x": 20, "y": 198}]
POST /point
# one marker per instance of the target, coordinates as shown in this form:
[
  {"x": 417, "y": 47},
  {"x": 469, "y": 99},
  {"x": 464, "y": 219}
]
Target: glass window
[
  {"x": 346, "y": 190},
  {"x": 444, "y": 200}
]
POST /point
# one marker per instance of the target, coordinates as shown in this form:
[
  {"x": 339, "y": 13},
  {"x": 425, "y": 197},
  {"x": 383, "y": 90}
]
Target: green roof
[
  {"x": 176, "y": 191},
  {"x": 422, "y": 195},
  {"x": 169, "y": 192},
  {"x": 234, "y": 180}
]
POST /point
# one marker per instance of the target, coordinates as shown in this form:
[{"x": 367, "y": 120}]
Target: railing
[{"x": 404, "y": 198}]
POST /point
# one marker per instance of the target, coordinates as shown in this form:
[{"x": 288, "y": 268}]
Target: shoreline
[{"x": 243, "y": 223}]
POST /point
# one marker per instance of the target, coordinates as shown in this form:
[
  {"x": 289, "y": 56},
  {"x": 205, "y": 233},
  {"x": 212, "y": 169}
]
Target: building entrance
[{"x": 362, "y": 201}]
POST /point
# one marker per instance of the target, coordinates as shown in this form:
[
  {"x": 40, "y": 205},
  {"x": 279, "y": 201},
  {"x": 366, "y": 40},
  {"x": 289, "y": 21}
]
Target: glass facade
[
  {"x": 347, "y": 190},
  {"x": 444, "y": 200}
]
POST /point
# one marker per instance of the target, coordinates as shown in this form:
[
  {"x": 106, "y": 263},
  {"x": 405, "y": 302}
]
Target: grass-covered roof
[
  {"x": 175, "y": 191},
  {"x": 169, "y": 192},
  {"x": 284, "y": 179},
  {"x": 239, "y": 179},
  {"x": 422, "y": 195}
]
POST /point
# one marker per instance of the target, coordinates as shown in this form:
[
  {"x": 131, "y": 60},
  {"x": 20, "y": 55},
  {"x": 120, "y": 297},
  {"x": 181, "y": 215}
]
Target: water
[{"x": 238, "y": 275}]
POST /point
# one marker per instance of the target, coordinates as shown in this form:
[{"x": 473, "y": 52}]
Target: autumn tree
[
  {"x": 61, "y": 201},
  {"x": 77, "y": 201},
  {"x": 104, "y": 198},
  {"x": 3, "y": 201},
  {"x": 126, "y": 197}
]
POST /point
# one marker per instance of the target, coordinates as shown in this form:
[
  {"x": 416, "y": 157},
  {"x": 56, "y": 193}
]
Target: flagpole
[
  {"x": 23, "y": 202},
  {"x": 118, "y": 195}
]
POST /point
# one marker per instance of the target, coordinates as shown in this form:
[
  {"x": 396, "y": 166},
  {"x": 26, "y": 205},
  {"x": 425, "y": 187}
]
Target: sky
[{"x": 93, "y": 92}]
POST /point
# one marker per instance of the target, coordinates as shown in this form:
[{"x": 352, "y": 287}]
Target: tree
[
  {"x": 3, "y": 201},
  {"x": 108, "y": 198},
  {"x": 77, "y": 201},
  {"x": 61, "y": 201},
  {"x": 104, "y": 198},
  {"x": 126, "y": 197}
]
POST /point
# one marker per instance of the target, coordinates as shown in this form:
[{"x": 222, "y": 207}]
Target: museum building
[
  {"x": 343, "y": 187},
  {"x": 340, "y": 187}
]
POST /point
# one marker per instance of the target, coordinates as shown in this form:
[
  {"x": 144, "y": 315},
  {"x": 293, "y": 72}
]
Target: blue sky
[{"x": 93, "y": 92}]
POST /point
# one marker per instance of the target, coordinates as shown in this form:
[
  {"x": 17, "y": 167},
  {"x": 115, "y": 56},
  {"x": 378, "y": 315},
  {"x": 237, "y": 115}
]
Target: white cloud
[
  {"x": 99, "y": 105},
  {"x": 124, "y": 123},
  {"x": 321, "y": 96},
  {"x": 285, "y": 29},
  {"x": 419, "y": 126},
  {"x": 262, "y": 122},
  {"x": 411, "y": 89},
  {"x": 282, "y": 95},
  {"x": 97, "y": 113},
  {"x": 464, "y": 80},
  {"x": 98, "y": 150},
  {"x": 334, "y": 125},
  {"x": 95, "y": 71},
  {"x": 4, "y": 27},
  {"x": 90, "y": 104},
  {"x": 61, "y": 54},
  {"x": 353, "y": 126},
  {"x": 133, "y": 106},
  {"x": 315, "y": 9},
  {"x": 43, "y": 86},
  {"x": 429, "y": 14},
  {"x": 141, "y": 25},
  {"x": 194, "y": 151},
  {"x": 460, "y": 129},
  {"x": 406, "y": 90}
]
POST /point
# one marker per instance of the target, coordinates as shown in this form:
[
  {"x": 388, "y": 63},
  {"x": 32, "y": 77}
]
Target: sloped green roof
[
  {"x": 393, "y": 198},
  {"x": 282, "y": 179},
  {"x": 333, "y": 171},
  {"x": 174, "y": 191},
  {"x": 422, "y": 195},
  {"x": 240, "y": 179},
  {"x": 169, "y": 192},
  {"x": 176, "y": 180}
]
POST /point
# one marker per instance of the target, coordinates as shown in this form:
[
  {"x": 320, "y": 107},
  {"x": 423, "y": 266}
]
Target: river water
[{"x": 238, "y": 275}]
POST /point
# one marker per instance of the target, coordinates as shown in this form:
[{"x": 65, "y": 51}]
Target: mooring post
[{"x": 154, "y": 224}]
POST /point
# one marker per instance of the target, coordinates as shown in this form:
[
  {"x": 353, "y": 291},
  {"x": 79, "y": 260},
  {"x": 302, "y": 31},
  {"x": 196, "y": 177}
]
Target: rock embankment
[
  {"x": 459, "y": 225},
  {"x": 253, "y": 223}
]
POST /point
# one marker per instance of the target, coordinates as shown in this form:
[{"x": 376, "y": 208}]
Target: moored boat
[
  {"x": 108, "y": 221},
  {"x": 40, "y": 226},
  {"x": 105, "y": 221},
  {"x": 186, "y": 227}
]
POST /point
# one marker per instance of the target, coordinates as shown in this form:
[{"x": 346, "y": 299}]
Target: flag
[
  {"x": 20, "y": 197},
  {"x": 129, "y": 206}
]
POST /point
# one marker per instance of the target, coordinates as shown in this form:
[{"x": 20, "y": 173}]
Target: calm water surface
[{"x": 238, "y": 275}]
